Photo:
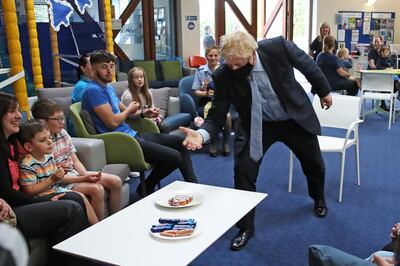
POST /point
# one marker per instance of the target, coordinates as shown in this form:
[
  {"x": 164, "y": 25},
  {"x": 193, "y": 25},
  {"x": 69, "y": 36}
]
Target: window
[{"x": 130, "y": 38}]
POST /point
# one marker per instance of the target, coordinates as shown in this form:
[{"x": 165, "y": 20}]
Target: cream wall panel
[{"x": 188, "y": 40}]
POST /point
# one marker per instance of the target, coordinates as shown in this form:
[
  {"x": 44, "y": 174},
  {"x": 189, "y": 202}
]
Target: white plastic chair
[
  {"x": 379, "y": 86},
  {"x": 344, "y": 114}
]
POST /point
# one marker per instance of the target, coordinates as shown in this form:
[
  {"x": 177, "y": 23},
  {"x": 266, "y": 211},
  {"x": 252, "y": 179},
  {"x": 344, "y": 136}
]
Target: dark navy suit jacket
[{"x": 278, "y": 57}]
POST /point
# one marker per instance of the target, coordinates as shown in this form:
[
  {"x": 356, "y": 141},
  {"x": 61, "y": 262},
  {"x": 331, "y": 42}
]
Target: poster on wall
[{"x": 361, "y": 27}]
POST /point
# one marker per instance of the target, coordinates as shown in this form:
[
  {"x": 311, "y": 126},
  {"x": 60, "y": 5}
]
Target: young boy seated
[
  {"x": 385, "y": 60},
  {"x": 345, "y": 58},
  {"x": 89, "y": 183},
  {"x": 39, "y": 175}
]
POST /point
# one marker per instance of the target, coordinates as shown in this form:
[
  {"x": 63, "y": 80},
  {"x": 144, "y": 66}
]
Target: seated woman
[
  {"x": 57, "y": 220},
  {"x": 203, "y": 86},
  {"x": 85, "y": 74},
  {"x": 338, "y": 78}
]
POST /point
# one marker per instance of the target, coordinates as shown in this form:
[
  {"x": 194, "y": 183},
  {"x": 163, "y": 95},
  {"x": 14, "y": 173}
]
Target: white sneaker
[{"x": 134, "y": 174}]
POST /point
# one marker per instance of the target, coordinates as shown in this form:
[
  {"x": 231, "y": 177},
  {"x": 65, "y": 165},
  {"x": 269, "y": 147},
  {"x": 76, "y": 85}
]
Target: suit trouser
[
  {"x": 167, "y": 153},
  {"x": 303, "y": 144}
]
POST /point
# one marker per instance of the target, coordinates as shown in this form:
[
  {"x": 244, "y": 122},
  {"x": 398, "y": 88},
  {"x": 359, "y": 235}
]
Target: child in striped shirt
[{"x": 39, "y": 175}]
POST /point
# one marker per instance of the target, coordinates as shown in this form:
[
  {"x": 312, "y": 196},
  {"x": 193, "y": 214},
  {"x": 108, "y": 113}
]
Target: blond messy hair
[
  {"x": 238, "y": 43},
  {"x": 342, "y": 52}
]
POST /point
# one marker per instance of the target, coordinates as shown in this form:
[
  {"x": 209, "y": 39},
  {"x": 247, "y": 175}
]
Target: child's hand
[
  {"x": 204, "y": 84},
  {"x": 58, "y": 175},
  {"x": 64, "y": 167},
  {"x": 57, "y": 197},
  {"x": 198, "y": 121},
  {"x": 93, "y": 177},
  {"x": 133, "y": 107}
]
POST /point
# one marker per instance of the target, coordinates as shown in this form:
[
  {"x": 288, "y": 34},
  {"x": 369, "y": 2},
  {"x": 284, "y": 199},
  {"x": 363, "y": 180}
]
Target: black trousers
[
  {"x": 349, "y": 85},
  {"x": 166, "y": 153},
  {"x": 55, "y": 220},
  {"x": 303, "y": 144}
]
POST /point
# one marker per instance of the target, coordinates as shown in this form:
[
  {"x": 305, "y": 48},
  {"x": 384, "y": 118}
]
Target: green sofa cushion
[
  {"x": 149, "y": 67},
  {"x": 171, "y": 70}
]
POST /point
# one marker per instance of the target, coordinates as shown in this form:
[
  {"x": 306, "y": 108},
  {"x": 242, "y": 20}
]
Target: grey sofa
[
  {"x": 91, "y": 152},
  {"x": 165, "y": 98}
]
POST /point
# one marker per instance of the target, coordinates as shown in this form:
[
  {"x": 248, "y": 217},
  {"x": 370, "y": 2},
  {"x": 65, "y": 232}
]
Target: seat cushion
[
  {"x": 88, "y": 122},
  {"x": 161, "y": 98},
  {"x": 149, "y": 67},
  {"x": 171, "y": 70},
  {"x": 121, "y": 170}
]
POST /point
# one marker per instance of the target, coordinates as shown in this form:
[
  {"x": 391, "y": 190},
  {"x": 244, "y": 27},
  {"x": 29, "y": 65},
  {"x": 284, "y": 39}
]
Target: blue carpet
[{"x": 285, "y": 225}]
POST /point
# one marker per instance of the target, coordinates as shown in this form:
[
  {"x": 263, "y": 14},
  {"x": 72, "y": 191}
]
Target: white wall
[
  {"x": 326, "y": 10},
  {"x": 188, "y": 40}
]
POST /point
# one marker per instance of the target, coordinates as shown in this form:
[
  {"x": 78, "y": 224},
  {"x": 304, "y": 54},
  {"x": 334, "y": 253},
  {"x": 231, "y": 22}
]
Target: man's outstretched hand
[
  {"x": 326, "y": 102},
  {"x": 193, "y": 140}
]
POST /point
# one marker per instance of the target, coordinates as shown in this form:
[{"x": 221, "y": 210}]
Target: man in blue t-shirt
[{"x": 164, "y": 151}]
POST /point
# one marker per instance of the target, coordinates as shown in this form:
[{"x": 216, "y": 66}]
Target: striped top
[
  {"x": 33, "y": 171},
  {"x": 63, "y": 149}
]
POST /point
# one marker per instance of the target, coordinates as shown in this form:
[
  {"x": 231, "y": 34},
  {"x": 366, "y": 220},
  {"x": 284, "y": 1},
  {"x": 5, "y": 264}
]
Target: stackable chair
[{"x": 343, "y": 114}]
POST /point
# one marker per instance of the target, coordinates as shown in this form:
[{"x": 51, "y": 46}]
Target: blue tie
[{"x": 256, "y": 147}]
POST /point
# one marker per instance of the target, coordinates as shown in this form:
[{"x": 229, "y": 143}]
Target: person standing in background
[
  {"x": 316, "y": 45},
  {"x": 208, "y": 39}
]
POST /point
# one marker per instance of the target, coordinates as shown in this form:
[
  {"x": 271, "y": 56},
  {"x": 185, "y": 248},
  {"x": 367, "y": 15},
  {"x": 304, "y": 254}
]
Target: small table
[
  {"x": 124, "y": 237},
  {"x": 378, "y": 81}
]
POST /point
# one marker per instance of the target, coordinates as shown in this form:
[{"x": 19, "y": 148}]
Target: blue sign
[
  {"x": 191, "y": 18},
  {"x": 191, "y": 25}
]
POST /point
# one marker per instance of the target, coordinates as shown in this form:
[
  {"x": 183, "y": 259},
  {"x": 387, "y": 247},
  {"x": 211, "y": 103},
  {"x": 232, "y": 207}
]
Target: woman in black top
[{"x": 316, "y": 45}]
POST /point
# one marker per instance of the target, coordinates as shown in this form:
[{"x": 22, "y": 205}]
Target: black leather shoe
[
  {"x": 320, "y": 209},
  {"x": 241, "y": 239}
]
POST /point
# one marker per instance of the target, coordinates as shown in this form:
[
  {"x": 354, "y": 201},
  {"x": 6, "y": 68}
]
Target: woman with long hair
[
  {"x": 316, "y": 45},
  {"x": 48, "y": 216}
]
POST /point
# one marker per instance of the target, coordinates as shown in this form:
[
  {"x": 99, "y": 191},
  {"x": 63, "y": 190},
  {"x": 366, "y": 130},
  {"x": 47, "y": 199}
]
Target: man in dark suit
[{"x": 258, "y": 79}]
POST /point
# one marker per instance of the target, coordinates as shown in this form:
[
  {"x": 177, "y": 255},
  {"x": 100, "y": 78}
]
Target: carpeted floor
[{"x": 285, "y": 225}]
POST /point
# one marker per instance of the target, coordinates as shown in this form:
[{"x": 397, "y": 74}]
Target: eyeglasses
[{"x": 58, "y": 119}]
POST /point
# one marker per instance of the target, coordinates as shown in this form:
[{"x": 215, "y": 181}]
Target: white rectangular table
[
  {"x": 378, "y": 85},
  {"x": 124, "y": 238}
]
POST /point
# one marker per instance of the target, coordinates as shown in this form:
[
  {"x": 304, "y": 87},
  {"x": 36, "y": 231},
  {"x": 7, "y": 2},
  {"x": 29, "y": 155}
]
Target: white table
[
  {"x": 124, "y": 237},
  {"x": 378, "y": 85}
]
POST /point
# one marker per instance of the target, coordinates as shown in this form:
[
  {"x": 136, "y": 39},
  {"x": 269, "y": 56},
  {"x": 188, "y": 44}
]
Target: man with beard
[
  {"x": 164, "y": 151},
  {"x": 258, "y": 79}
]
